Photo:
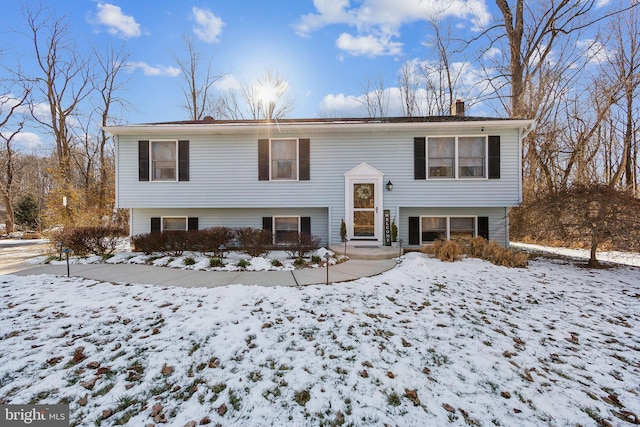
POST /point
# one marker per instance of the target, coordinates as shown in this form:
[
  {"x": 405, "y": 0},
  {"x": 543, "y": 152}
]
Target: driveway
[{"x": 14, "y": 254}]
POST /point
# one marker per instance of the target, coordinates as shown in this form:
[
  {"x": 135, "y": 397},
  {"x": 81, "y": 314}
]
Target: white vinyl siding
[{"x": 224, "y": 178}]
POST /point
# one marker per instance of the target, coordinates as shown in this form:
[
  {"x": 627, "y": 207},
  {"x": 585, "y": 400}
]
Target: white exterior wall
[{"x": 224, "y": 175}]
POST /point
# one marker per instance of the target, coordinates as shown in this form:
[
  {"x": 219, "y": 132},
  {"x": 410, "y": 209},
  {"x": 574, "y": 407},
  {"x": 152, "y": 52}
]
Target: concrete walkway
[{"x": 165, "y": 276}]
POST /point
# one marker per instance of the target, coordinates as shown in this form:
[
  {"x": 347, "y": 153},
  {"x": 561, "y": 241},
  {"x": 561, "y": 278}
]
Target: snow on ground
[
  {"x": 627, "y": 258},
  {"x": 427, "y": 343},
  {"x": 200, "y": 261}
]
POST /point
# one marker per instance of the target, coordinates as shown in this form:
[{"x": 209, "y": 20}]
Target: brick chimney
[{"x": 457, "y": 109}]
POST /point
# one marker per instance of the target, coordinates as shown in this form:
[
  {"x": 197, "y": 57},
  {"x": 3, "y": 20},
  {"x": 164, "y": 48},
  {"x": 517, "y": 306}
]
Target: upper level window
[
  {"x": 164, "y": 160},
  {"x": 284, "y": 159},
  {"x": 471, "y": 156},
  {"x": 457, "y": 157},
  {"x": 442, "y": 157}
]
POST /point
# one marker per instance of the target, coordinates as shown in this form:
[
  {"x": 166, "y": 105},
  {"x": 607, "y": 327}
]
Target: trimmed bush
[
  {"x": 175, "y": 243},
  {"x": 215, "y": 237},
  {"x": 253, "y": 241},
  {"x": 85, "y": 241},
  {"x": 301, "y": 245}
]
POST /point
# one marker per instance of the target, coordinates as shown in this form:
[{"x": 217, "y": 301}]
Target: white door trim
[{"x": 364, "y": 174}]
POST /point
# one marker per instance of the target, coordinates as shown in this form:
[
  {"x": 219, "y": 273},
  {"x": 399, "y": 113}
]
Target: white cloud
[
  {"x": 208, "y": 26},
  {"x": 26, "y": 140},
  {"x": 227, "y": 82},
  {"x": 368, "y": 45},
  {"x": 594, "y": 51},
  {"x": 382, "y": 20},
  {"x": 29, "y": 140},
  {"x": 117, "y": 22},
  {"x": 158, "y": 70},
  {"x": 341, "y": 105},
  {"x": 469, "y": 85}
]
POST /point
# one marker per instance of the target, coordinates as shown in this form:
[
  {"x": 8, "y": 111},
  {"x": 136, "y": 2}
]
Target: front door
[{"x": 364, "y": 210}]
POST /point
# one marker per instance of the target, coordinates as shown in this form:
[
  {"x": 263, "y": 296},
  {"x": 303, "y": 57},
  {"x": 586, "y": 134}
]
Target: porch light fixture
[{"x": 389, "y": 186}]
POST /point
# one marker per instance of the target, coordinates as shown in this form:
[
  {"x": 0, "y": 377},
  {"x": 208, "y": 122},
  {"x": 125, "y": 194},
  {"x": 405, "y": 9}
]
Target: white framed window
[
  {"x": 457, "y": 157},
  {"x": 164, "y": 160},
  {"x": 283, "y": 154},
  {"x": 434, "y": 228},
  {"x": 472, "y": 154},
  {"x": 285, "y": 229},
  {"x": 174, "y": 223}
]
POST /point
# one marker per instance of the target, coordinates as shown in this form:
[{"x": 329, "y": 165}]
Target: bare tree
[
  {"x": 533, "y": 31},
  {"x": 64, "y": 81},
  {"x": 623, "y": 71},
  {"x": 266, "y": 98},
  {"x": 409, "y": 86},
  {"x": 229, "y": 105},
  {"x": 108, "y": 84},
  {"x": 198, "y": 81},
  {"x": 9, "y": 107},
  {"x": 585, "y": 214},
  {"x": 375, "y": 97}
]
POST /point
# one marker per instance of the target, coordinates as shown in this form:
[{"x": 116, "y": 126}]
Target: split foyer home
[{"x": 435, "y": 177}]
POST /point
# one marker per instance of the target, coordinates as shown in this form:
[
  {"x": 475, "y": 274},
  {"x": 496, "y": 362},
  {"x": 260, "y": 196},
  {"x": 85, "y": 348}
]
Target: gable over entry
[{"x": 363, "y": 203}]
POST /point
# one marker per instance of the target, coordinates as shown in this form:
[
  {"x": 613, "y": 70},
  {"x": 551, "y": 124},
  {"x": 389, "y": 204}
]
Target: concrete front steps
[{"x": 366, "y": 251}]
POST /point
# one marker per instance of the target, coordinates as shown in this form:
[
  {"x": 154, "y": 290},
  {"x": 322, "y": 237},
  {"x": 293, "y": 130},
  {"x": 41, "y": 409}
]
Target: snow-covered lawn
[{"x": 428, "y": 343}]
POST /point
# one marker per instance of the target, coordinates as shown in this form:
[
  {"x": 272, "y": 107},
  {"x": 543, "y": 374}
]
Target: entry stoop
[{"x": 367, "y": 252}]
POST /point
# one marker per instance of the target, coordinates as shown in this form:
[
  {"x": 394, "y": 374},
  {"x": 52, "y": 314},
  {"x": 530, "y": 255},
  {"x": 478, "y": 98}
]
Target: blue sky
[{"x": 325, "y": 49}]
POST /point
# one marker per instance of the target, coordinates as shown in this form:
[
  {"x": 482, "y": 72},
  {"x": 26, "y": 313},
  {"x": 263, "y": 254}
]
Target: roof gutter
[{"x": 310, "y": 127}]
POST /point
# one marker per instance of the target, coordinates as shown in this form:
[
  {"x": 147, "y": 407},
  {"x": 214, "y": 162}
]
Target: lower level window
[
  {"x": 444, "y": 228},
  {"x": 285, "y": 229},
  {"x": 174, "y": 224}
]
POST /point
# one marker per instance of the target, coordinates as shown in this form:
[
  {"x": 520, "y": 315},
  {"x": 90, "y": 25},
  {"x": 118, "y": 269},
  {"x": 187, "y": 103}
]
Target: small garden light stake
[
  {"x": 327, "y": 256},
  {"x": 66, "y": 251}
]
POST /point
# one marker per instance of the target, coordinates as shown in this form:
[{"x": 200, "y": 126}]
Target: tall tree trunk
[{"x": 10, "y": 215}]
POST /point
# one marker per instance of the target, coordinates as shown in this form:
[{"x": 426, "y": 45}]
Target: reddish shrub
[
  {"x": 88, "y": 240},
  {"x": 253, "y": 241}
]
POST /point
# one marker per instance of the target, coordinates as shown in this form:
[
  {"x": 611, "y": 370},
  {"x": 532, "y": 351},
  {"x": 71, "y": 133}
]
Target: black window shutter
[
  {"x": 305, "y": 160},
  {"x": 494, "y": 157},
  {"x": 192, "y": 223},
  {"x": 414, "y": 230},
  {"x": 155, "y": 224},
  {"x": 483, "y": 227},
  {"x": 267, "y": 223},
  {"x": 305, "y": 225},
  {"x": 143, "y": 160},
  {"x": 419, "y": 158},
  {"x": 183, "y": 160},
  {"x": 263, "y": 159}
]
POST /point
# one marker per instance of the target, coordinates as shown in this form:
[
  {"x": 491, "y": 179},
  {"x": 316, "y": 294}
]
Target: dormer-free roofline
[{"x": 310, "y": 126}]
